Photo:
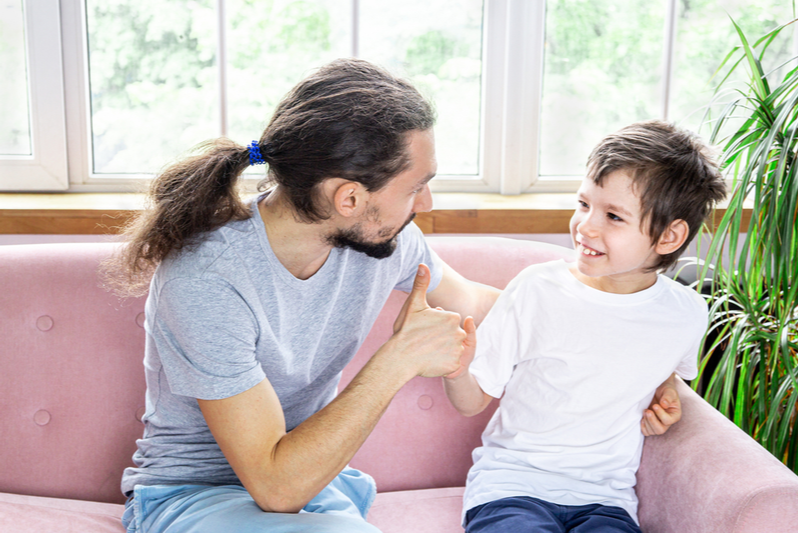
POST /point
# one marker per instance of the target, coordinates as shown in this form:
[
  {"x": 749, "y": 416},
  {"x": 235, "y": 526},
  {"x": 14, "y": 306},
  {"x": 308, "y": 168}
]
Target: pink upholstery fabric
[
  {"x": 72, "y": 380},
  {"x": 418, "y": 511},
  {"x": 32, "y": 514},
  {"x": 72, "y": 390},
  {"x": 715, "y": 478}
]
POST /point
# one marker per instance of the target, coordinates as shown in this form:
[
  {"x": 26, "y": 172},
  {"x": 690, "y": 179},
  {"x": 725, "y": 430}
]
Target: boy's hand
[
  {"x": 469, "y": 349},
  {"x": 664, "y": 411}
]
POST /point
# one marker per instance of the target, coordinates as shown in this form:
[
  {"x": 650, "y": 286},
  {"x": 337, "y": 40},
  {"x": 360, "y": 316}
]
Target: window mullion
[
  {"x": 525, "y": 21},
  {"x": 670, "y": 30},
  {"x": 222, "y": 67},
  {"x": 355, "y": 25}
]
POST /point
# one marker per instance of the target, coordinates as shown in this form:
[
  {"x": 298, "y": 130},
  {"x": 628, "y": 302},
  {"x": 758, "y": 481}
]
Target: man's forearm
[{"x": 309, "y": 457}]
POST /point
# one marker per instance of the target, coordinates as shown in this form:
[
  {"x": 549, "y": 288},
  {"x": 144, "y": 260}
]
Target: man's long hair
[{"x": 349, "y": 119}]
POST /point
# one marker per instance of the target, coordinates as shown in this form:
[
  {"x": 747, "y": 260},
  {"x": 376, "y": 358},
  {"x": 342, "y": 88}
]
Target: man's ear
[
  {"x": 673, "y": 237},
  {"x": 348, "y": 197}
]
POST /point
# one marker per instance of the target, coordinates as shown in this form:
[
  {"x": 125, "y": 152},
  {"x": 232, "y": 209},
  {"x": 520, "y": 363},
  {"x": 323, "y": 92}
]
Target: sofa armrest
[{"x": 707, "y": 475}]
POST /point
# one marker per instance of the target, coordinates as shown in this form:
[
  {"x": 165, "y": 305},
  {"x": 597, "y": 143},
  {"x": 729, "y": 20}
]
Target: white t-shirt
[{"x": 576, "y": 367}]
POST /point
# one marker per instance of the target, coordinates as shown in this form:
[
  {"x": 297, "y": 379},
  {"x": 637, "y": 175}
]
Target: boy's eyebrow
[
  {"x": 611, "y": 207},
  {"x": 619, "y": 209}
]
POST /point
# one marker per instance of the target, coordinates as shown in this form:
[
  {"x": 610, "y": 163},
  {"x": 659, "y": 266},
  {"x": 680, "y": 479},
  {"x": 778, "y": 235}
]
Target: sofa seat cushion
[
  {"x": 25, "y": 514},
  {"x": 420, "y": 511}
]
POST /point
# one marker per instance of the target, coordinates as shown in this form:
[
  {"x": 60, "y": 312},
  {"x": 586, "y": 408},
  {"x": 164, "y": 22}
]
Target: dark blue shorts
[{"x": 528, "y": 515}]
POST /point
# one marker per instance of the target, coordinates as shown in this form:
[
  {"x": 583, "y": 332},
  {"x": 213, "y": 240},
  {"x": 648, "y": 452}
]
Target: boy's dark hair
[
  {"x": 350, "y": 120},
  {"x": 673, "y": 172}
]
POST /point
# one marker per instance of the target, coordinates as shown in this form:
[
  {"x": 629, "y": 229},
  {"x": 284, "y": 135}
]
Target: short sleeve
[
  {"x": 414, "y": 249},
  {"x": 205, "y": 335},
  {"x": 499, "y": 344},
  {"x": 687, "y": 368}
]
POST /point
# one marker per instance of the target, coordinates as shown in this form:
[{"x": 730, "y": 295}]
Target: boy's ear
[{"x": 673, "y": 237}]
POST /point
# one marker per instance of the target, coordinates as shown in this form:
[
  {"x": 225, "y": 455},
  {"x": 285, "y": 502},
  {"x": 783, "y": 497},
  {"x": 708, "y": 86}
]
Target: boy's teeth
[{"x": 586, "y": 251}]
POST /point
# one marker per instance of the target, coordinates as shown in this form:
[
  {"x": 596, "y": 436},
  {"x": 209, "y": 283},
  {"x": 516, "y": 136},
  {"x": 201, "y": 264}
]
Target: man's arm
[
  {"x": 664, "y": 410},
  {"x": 284, "y": 471}
]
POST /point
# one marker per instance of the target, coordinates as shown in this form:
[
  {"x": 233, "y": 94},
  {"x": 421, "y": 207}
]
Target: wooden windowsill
[{"x": 106, "y": 213}]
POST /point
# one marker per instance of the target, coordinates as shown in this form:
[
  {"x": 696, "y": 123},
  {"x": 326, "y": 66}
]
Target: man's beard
[{"x": 353, "y": 238}]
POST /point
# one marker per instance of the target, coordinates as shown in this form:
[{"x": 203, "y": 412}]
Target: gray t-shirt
[{"x": 225, "y": 314}]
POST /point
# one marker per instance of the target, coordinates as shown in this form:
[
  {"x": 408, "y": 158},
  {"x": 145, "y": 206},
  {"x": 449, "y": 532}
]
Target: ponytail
[{"x": 189, "y": 198}]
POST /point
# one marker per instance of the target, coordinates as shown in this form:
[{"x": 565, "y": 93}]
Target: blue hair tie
[{"x": 255, "y": 154}]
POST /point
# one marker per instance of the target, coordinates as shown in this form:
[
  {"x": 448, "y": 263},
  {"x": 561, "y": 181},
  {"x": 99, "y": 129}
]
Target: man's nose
[{"x": 424, "y": 201}]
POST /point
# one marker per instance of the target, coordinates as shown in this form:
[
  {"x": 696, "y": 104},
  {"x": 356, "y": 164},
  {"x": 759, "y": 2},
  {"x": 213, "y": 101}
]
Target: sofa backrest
[{"x": 72, "y": 383}]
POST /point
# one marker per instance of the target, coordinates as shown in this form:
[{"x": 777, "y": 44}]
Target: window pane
[
  {"x": 271, "y": 47},
  {"x": 153, "y": 81},
  {"x": 437, "y": 45},
  {"x": 602, "y": 71},
  {"x": 704, "y": 37},
  {"x": 15, "y": 133}
]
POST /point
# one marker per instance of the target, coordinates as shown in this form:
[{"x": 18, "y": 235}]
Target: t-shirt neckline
[
  {"x": 609, "y": 297},
  {"x": 320, "y": 276}
]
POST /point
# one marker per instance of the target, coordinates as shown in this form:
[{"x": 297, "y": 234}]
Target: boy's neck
[{"x": 628, "y": 283}]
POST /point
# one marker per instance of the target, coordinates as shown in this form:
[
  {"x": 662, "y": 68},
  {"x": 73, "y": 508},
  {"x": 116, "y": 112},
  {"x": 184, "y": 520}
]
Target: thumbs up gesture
[{"x": 431, "y": 340}]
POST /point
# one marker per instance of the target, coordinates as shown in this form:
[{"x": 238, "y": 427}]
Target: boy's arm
[
  {"x": 461, "y": 387},
  {"x": 664, "y": 410}
]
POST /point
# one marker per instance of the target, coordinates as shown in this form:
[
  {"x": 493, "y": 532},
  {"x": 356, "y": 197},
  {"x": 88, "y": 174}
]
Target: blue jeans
[
  {"x": 528, "y": 515},
  {"x": 341, "y": 507}
]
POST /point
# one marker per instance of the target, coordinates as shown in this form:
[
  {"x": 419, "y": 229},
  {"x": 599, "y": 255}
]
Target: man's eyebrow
[{"x": 426, "y": 179}]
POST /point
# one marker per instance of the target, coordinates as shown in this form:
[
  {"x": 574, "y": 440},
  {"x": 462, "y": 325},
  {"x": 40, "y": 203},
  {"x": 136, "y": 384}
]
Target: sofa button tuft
[
  {"x": 425, "y": 402},
  {"x": 44, "y": 323},
  {"x": 140, "y": 320},
  {"x": 41, "y": 417},
  {"x": 140, "y": 413}
]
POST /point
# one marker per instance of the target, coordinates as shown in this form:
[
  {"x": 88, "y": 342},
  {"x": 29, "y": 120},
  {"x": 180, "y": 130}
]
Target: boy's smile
[{"x": 614, "y": 253}]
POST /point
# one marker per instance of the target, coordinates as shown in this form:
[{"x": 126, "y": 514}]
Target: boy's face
[{"x": 613, "y": 253}]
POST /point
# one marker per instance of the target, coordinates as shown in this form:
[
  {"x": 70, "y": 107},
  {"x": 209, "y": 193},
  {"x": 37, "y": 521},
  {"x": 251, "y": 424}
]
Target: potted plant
[{"x": 750, "y": 356}]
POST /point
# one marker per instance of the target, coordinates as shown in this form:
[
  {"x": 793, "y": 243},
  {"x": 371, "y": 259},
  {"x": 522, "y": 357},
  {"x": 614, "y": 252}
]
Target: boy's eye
[
  {"x": 583, "y": 204},
  {"x": 614, "y": 217}
]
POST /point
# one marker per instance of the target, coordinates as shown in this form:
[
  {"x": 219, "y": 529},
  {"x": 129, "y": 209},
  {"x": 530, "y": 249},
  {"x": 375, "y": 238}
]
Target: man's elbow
[{"x": 279, "y": 501}]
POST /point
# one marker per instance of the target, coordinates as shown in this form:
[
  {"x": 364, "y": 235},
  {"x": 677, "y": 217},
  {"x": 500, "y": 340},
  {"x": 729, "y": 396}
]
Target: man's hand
[
  {"x": 431, "y": 339},
  {"x": 664, "y": 411}
]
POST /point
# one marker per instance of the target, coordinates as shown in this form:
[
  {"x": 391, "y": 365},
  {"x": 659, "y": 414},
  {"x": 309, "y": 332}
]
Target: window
[
  {"x": 523, "y": 88},
  {"x": 33, "y": 148}
]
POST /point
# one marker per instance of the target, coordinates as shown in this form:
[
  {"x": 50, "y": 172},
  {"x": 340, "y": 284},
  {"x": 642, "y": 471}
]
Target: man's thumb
[{"x": 417, "y": 298}]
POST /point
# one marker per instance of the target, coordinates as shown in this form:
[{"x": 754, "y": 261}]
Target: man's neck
[{"x": 301, "y": 247}]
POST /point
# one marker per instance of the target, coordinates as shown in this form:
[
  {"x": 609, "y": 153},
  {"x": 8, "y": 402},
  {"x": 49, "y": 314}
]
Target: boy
[{"x": 579, "y": 350}]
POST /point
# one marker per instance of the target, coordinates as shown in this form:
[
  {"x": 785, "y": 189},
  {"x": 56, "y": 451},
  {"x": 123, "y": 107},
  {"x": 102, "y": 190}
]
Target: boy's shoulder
[
  {"x": 683, "y": 294},
  {"x": 539, "y": 273}
]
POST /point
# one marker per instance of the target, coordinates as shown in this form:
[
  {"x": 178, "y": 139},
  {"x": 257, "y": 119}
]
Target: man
[{"x": 254, "y": 310}]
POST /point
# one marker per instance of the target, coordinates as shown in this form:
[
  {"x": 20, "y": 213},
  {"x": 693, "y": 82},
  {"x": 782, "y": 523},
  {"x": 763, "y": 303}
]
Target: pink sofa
[{"x": 72, "y": 393}]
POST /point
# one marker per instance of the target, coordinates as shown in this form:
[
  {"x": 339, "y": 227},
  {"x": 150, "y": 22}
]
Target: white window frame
[
  {"x": 513, "y": 58},
  {"x": 45, "y": 169}
]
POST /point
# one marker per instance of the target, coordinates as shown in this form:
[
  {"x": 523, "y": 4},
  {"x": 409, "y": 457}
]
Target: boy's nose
[{"x": 586, "y": 226}]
